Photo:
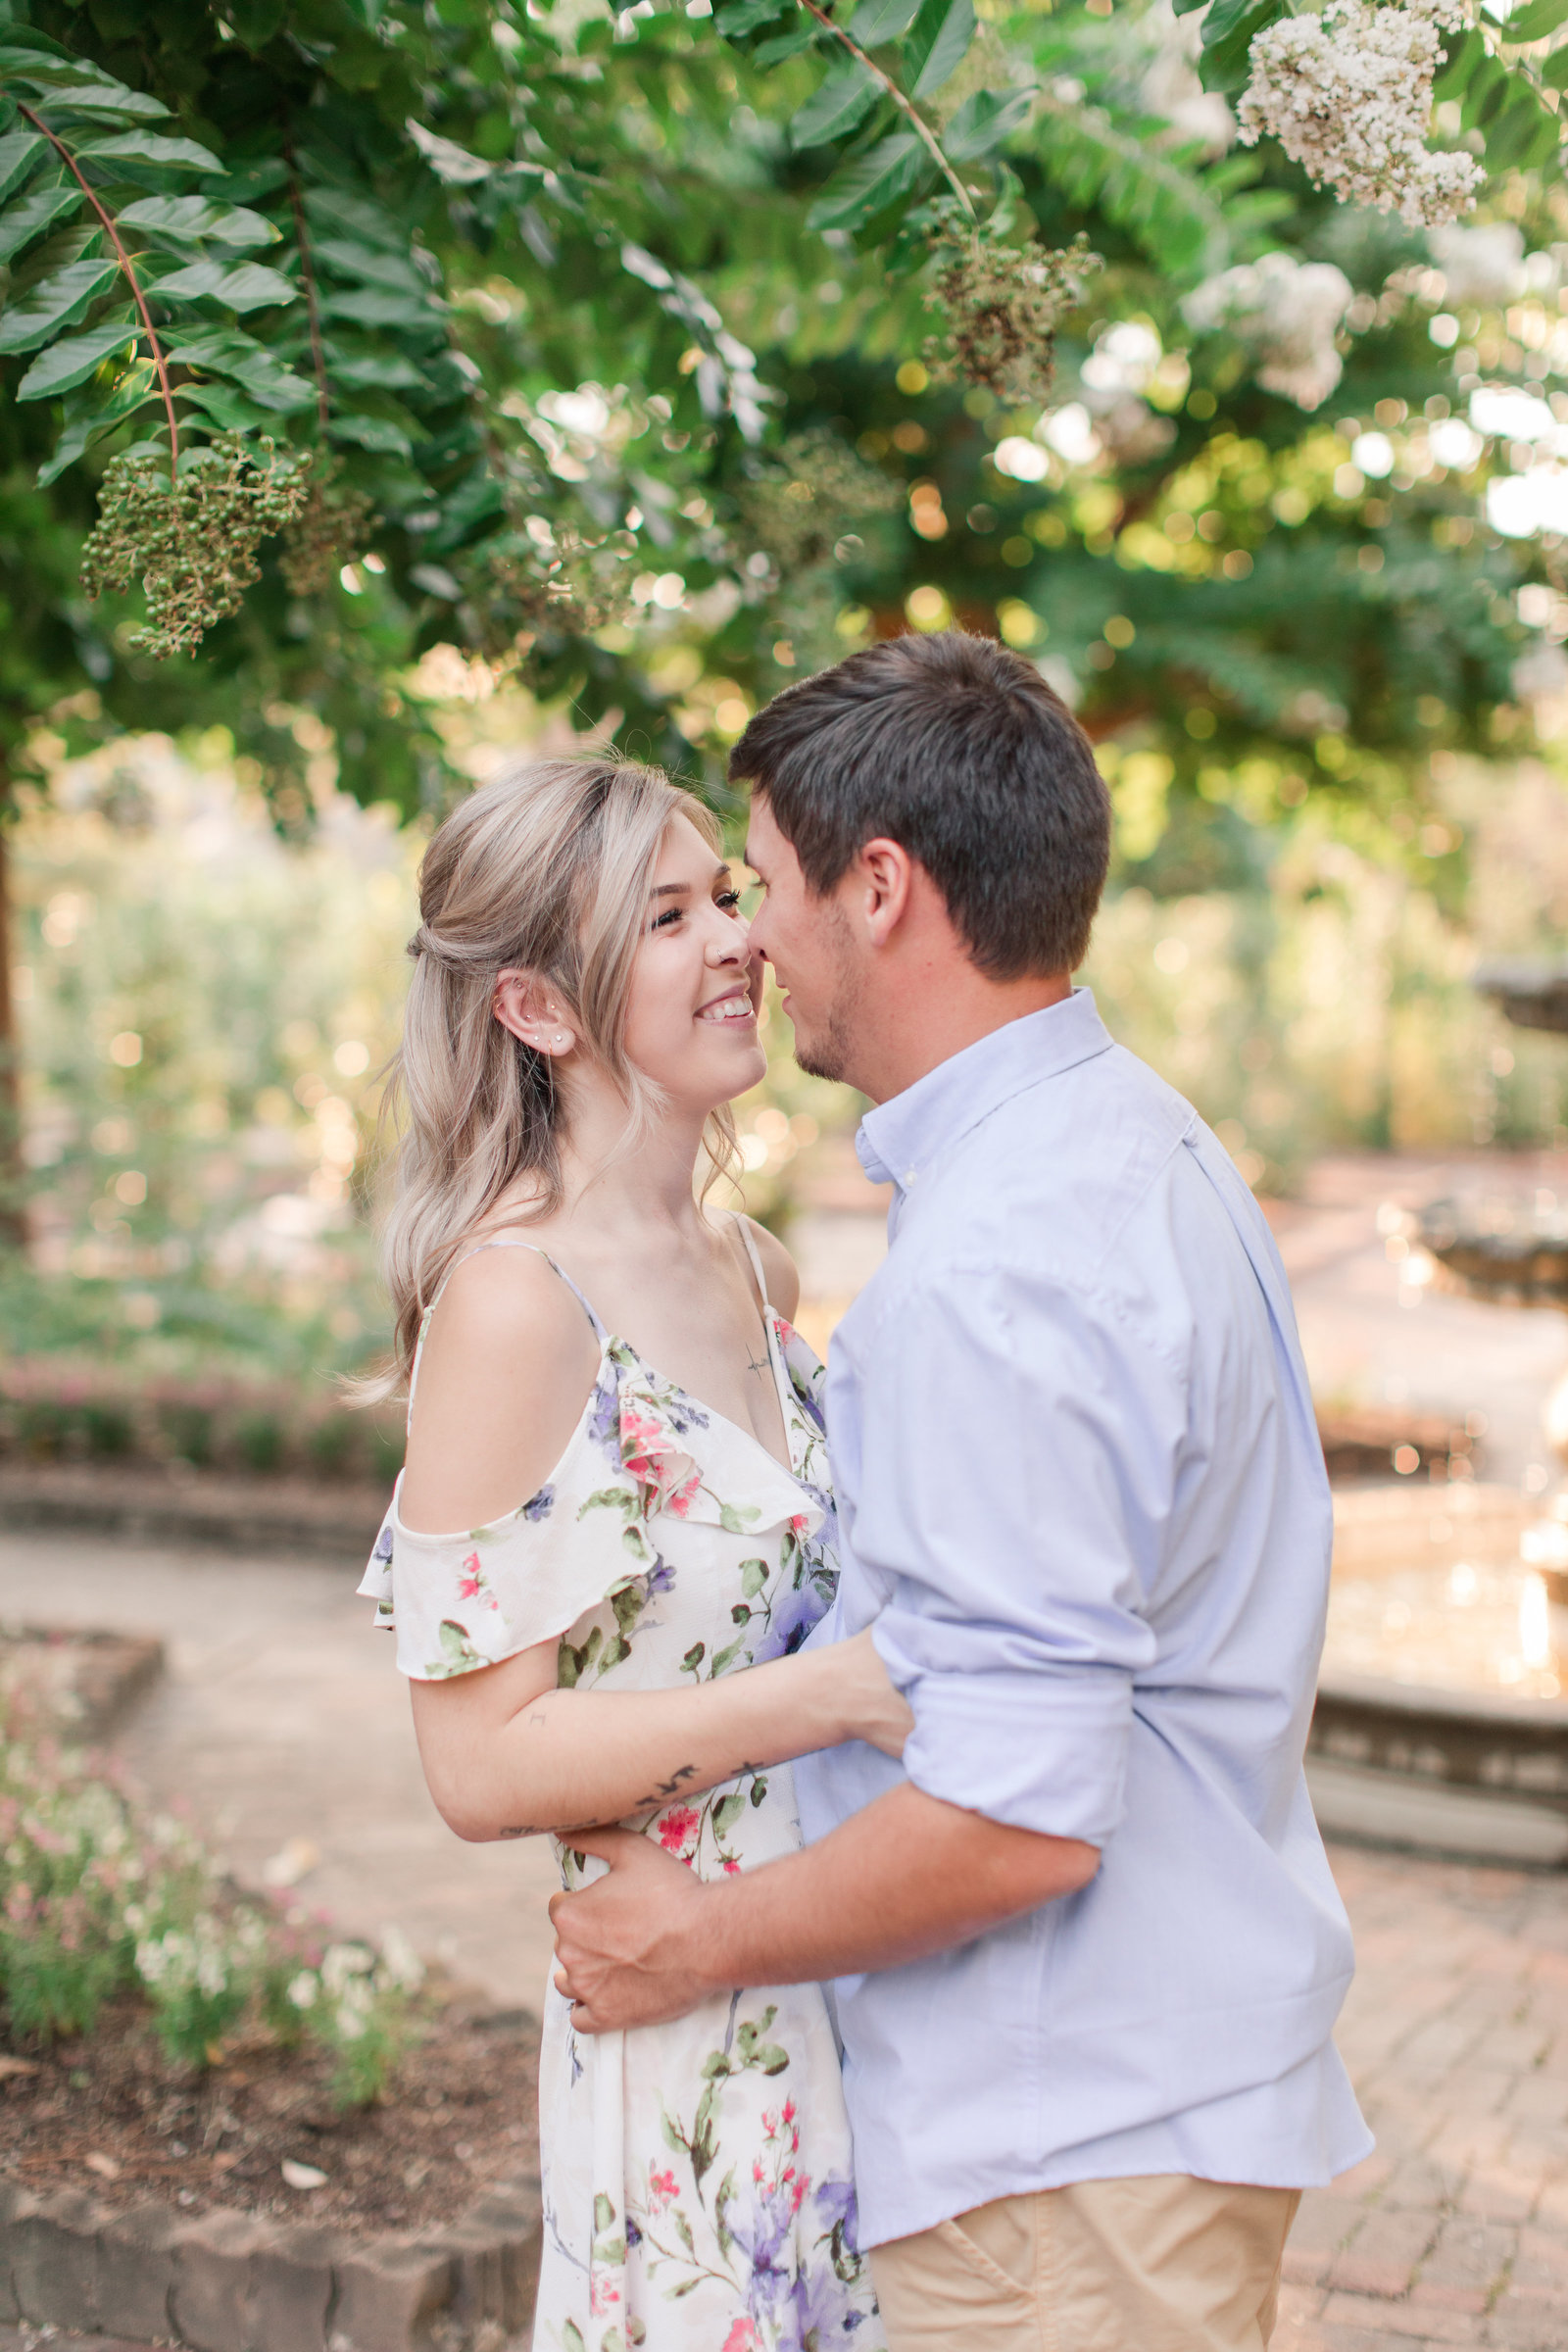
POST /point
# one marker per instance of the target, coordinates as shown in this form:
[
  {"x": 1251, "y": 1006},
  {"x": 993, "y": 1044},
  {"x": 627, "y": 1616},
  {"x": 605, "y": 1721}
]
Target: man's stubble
[{"x": 830, "y": 1052}]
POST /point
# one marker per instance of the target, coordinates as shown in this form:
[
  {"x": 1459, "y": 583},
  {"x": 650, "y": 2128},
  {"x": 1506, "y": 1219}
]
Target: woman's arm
[
  {"x": 507, "y": 1365},
  {"x": 506, "y": 1754}
]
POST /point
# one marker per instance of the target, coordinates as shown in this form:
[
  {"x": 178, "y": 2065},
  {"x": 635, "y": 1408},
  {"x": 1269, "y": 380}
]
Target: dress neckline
[
  {"x": 609, "y": 1343},
  {"x": 783, "y": 1389}
]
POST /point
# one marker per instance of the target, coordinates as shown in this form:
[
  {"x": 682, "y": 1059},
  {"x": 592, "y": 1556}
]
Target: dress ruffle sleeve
[{"x": 464, "y": 1600}]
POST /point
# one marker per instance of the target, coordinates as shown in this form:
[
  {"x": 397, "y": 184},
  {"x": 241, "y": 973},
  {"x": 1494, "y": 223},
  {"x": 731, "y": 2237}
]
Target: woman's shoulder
[
  {"x": 507, "y": 1365},
  {"x": 780, "y": 1275}
]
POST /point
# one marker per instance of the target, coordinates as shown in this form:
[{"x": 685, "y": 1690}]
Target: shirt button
[{"x": 910, "y": 1175}]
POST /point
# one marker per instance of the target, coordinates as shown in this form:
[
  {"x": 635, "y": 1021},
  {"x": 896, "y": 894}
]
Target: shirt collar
[{"x": 902, "y": 1139}]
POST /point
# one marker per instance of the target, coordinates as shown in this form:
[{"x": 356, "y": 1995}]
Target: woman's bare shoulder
[
  {"x": 779, "y": 1270},
  {"x": 509, "y": 1361}
]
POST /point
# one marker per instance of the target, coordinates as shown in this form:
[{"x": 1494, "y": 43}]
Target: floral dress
[{"x": 698, "y": 2187}]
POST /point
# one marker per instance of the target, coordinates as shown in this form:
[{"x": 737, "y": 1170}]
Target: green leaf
[
  {"x": 87, "y": 424},
  {"x": 249, "y": 365},
  {"x": 984, "y": 121},
  {"x": 59, "y": 301},
  {"x": 227, "y": 406},
  {"x": 861, "y": 189},
  {"x": 771, "y": 2058},
  {"x": 20, "y": 151},
  {"x": 254, "y": 287},
  {"x": 743, "y": 16},
  {"x": 937, "y": 43},
  {"x": 101, "y": 103},
  {"x": 368, "y": 266},
  {"x": 693, "y": 1657},
  {"x": 195, "y": 219},
  {"x": 446, "y": 158},
  {"x": 1533, "y": 23},
  {"x": 355, "y": 216},
  {"x": 368, "y": 305},
  {"x": 877, "y": 21},
  {"x": 736, "y": 1517},
  {"x": 391, "y": 372},
  {"x": 754, "y": 1576},
  {"x": 36, "y": 212},
  {"x": 783, "y": 45},
  {"x": 1224, "y": 17},
  {"x": 726, "y": 1813},
  {"x": 148, "y": 147},
  {"x": 834, "y": 108},
  {"x": 68, "y": 363},
  {"x": 1554, "y": 68},
  {"x": 758, "y": 1790}
]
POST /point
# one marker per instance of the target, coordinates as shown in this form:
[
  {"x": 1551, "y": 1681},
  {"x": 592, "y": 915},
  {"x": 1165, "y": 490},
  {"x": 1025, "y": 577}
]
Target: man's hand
[{"x": 627, "y": 1944}]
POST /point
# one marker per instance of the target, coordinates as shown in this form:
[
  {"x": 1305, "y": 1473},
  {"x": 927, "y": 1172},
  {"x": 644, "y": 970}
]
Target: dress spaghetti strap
[
  {"x": 749, "y": 1241},
  {"x": 502, "y": 1241}
]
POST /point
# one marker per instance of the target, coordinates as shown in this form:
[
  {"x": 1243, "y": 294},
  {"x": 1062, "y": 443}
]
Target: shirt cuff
[{"x": 1043, "y": 1749}]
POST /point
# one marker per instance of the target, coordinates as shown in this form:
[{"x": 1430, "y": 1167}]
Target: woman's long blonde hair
[{"x": 548, "y": 867}]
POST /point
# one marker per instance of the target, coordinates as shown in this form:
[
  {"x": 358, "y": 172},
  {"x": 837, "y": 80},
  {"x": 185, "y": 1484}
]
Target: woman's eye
[
  {"x": 662, "y": 921},
  {"x": 729, "y": 900}
]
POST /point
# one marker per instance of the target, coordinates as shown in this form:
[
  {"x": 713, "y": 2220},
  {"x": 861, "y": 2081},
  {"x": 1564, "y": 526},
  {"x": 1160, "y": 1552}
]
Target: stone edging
[
  {"x": 229, "y": 2281},
  {"x": 279, "y": 1516}
]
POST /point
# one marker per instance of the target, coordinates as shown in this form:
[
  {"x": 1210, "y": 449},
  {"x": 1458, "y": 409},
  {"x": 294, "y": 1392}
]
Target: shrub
[{"x": 97, "y": 1899}]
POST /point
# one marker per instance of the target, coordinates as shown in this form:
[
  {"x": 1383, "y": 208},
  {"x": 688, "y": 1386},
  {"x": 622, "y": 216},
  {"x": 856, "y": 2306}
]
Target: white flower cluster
[
  {"x": 1348, "y": 96},
  {"x": 1287, "y": 313},
  {"x": 203, "y": 1960}
]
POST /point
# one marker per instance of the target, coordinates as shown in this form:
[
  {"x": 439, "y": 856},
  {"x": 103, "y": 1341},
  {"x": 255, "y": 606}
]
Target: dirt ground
[{"x": 108, "y": 2115}]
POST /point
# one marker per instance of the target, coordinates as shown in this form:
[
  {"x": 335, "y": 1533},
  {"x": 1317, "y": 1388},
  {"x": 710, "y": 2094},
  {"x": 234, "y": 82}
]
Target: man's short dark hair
[{"x": 958, "y": 750}]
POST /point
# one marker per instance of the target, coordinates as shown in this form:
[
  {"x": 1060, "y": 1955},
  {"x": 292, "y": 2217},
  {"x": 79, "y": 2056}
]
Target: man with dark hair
[{"x": 1088, "y": 1949}]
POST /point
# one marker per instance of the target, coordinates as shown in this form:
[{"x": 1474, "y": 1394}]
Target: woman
[{"x": 606, "y": 1394}]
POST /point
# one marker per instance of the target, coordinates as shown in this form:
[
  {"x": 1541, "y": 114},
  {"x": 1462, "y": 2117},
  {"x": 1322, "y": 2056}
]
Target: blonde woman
[{"x": 609, "y": 1406}]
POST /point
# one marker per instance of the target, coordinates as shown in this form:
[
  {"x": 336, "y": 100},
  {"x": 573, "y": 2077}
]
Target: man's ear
[
  {"x": 884, "y": 877},
  {"x": 529, "y": 1008}
]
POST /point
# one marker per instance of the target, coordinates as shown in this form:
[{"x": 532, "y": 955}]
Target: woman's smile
[{"x": 733, "y": 1006}]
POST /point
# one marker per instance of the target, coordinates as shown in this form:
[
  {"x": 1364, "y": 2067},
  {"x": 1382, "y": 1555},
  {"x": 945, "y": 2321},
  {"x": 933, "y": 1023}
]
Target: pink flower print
[
  {"x": 662, "y": 2190},
  {"x": 600, "y": 2293},
  {"x": 741, "y": 2337},
  {"x": 786, "y": 1330},
  {"x": 677, "y": 1831},
  {"x": 681, "y": 1498},
  {"x": 731, "y": 1865},
  {"x": 471, "y": 1578}
]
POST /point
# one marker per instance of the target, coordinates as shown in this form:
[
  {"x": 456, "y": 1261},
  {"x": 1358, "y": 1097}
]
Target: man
[{"x": 1088, "y": 1948}]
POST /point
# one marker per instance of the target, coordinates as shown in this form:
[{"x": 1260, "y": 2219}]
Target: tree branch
[
  {"x": 127, "y": 270},
  {"x": 907, "y": 105},
  {"x": 324, "y": 400}
]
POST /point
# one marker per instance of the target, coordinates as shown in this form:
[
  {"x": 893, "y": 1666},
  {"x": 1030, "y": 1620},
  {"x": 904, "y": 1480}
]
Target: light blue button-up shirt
[{"x": 1081, "y": 1493}]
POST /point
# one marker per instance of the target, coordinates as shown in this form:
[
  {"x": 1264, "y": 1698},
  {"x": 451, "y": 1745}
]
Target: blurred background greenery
[{"x": 1288, "y": 531}]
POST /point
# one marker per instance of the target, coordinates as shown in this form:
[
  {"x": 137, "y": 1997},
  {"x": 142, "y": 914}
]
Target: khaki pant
[{"x": 1161, "y": 2264}]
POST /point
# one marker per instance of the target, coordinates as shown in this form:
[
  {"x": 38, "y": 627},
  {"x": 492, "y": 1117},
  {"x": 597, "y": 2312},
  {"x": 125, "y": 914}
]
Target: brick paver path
[{"x": 1455, "y": 2231}]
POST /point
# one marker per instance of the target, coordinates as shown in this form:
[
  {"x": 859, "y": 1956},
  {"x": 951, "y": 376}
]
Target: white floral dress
[{"x": 698, "y": 2187}]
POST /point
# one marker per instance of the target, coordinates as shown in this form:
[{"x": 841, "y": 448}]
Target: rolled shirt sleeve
[{"x": 1019, "y": 1465}]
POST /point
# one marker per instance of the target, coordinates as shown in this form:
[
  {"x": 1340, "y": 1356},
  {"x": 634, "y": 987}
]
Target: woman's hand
[{"x": 873, "y": 1709}]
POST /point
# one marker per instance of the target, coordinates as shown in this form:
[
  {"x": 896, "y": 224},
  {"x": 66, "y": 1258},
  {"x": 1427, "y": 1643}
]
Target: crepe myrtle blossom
[
  {"x": 1348, "y": 96},
  {"x": 1288, "y": 313}
]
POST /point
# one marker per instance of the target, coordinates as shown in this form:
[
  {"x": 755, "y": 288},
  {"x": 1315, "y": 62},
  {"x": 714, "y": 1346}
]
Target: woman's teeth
[{"x": 731, "y": 1008}]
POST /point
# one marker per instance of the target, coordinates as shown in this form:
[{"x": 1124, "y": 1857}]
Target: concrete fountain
[{"x": 1441, "y": 1719}]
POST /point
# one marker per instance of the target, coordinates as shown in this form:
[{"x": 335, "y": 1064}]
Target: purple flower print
[
  {"x": 604, "y": 1419},
  {"x": 383, "y": 1543},
  {"x": 796, "y": 1610},
  {"x": 661, "y": 1577},
  {"x": 541, "y": 1505}
]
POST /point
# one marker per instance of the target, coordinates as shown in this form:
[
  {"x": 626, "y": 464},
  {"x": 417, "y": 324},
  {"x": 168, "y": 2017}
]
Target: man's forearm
[{"x": 906, "y": 1876}]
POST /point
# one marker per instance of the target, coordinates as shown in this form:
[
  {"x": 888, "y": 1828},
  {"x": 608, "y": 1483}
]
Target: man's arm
[
  {"x": 1016, "y": 1450},
  {"x": 906, "y": 1876}
]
